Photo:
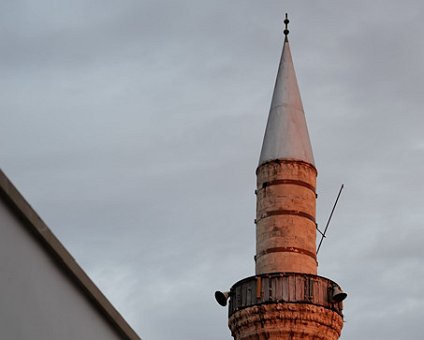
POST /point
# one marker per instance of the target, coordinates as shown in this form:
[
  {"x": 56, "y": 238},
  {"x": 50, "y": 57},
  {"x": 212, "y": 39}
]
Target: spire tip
[{"x": 286, "y": 31}]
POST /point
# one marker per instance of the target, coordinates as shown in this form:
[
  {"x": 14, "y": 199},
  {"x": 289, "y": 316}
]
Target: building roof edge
[{"x": 63, "y": 258}]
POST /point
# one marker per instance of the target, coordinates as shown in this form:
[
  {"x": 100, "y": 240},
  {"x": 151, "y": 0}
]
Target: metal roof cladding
[{"x": 286, "y": 134}]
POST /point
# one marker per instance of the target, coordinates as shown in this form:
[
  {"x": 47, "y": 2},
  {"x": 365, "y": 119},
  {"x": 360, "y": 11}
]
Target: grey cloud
[{"x": 134, "y": 129}]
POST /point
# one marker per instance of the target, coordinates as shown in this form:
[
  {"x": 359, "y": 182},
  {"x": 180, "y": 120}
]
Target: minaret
[{"x": 286, "y": 299}]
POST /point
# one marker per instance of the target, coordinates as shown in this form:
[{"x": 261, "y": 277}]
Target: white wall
[{"x": 38, "y": 301}]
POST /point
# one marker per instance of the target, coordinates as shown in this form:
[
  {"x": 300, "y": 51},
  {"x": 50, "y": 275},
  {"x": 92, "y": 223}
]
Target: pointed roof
[{"x": 286, "y": 134}]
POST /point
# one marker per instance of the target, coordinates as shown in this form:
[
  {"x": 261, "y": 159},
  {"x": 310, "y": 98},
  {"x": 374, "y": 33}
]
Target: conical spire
[{"x": 286, "y": 135}]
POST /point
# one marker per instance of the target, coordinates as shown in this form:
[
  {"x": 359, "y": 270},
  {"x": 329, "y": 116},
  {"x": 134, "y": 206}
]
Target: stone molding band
[
  {"x": 288, "y": 181},
  {"x": 287, "y": 250},
  {"x": 288, "y": 161},
  {"x": 286, "y": 212}
]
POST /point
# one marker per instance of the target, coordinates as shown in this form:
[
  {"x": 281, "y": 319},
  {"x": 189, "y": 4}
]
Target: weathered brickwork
[{"x": 286, "y": 321}]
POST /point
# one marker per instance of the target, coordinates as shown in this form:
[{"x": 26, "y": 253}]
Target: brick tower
[{"x": 286, "y": 299}]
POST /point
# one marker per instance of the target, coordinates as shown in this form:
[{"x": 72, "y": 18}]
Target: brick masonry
[{"x": 286, "y": 321}]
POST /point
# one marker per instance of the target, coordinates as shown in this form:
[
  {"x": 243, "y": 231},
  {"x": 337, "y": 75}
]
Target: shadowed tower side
[{"x": 286, "y": 299}]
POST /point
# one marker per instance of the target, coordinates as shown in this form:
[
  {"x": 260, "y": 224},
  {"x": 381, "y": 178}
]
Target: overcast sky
[{"x": 134, "y": 129}]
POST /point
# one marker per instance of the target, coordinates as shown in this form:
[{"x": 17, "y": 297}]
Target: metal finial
[{"x": 286, "y": 31}]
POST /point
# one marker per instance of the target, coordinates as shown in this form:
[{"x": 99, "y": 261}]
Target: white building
[{"x": 44, "y": 293}]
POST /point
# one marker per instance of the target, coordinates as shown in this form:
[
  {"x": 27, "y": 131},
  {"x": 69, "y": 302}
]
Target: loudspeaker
[
  {"x": 338, "y": 295},
  {"x": 222, "y": 297}
]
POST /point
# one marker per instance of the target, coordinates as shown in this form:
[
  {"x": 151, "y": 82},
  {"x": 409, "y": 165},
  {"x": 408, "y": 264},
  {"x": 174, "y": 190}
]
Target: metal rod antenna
[
  {"x": 329, "y": 219},
  {"x": 320, "y": 231}
]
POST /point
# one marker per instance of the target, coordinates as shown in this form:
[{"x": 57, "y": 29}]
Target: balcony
[{"x": 285, "y": 288}]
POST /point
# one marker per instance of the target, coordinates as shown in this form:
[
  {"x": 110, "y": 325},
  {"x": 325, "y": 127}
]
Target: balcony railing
[{"x": 284, "y": 288}]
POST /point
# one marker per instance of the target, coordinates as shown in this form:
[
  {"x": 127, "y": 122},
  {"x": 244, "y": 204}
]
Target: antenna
[{"x": 329, "y": 219}]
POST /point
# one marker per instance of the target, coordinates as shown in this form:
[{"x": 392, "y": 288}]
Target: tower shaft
[
  {"x": 285, "y": 217},
  {"x": 286, "y": 321}
]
